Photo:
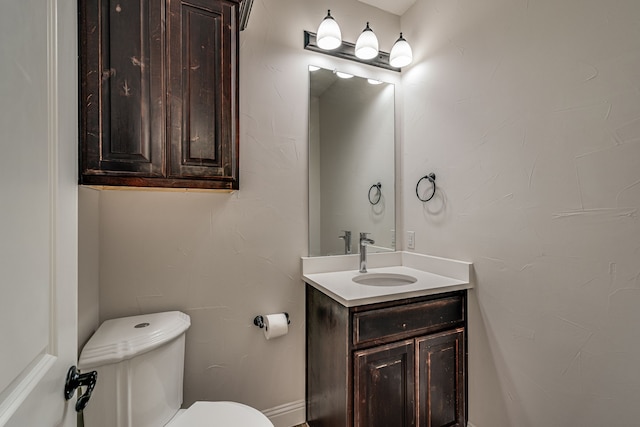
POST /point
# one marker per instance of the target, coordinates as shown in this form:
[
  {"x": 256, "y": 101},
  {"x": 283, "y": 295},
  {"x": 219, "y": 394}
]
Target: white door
[{"x": 38, "y": 210}]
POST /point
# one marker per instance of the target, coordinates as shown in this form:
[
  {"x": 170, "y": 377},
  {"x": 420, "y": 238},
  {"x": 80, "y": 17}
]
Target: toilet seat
[{"x": 220, "y": 414}]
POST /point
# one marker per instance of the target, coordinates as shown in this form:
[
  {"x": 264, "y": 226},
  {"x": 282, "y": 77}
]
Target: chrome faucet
[
  {"x": 364, "y": 241},
  {"x": 347, "y": 241}
]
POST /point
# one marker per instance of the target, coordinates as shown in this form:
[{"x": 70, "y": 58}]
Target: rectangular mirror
[{"x": 351, "y": 163}]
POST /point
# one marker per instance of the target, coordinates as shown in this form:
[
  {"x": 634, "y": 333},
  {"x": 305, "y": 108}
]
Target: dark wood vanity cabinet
[
  {"x": 159, "y": 93},
  {"x": 393, "y": 364}
]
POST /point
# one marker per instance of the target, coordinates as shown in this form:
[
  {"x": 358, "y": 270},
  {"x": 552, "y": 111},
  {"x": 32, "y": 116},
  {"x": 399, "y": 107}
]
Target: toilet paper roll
[{"x": 275, "y": 325}]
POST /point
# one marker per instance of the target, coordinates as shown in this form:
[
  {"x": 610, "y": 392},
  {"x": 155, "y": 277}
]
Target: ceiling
[{"x": 397, "y": 7}]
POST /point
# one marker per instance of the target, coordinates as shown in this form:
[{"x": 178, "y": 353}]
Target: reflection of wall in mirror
[
  {"x": 355, "y": 142},
  {"x": 314, "y": 177}
]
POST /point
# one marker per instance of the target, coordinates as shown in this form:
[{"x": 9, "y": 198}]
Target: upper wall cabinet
[{"x": 159, "y": 93}]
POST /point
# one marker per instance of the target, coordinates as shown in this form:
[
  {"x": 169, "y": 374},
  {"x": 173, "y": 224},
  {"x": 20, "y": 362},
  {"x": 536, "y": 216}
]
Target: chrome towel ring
[
  {"x": 432, "y": 179},
  {"x": 377, "y": 195}
]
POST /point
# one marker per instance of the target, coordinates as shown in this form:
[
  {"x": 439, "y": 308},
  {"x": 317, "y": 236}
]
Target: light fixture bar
[
  {"x": 348, "y": 51},
  {"x": 245, "y": 10}
]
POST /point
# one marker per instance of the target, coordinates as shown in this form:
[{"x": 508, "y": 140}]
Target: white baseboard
[{"x": 287, "y": 415}]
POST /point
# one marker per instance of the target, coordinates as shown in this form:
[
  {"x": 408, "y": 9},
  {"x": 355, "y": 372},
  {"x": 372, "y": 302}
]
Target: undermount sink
[{"x": 384, "y": 279}]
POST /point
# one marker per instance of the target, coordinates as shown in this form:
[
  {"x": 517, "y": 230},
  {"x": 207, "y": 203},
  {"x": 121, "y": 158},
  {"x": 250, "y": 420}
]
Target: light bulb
[
  {"x": 329, "y": 36},
  {"x": 401, "y": 54},
  {"x": 367, "y": 44},
  {"x": 374, "y": 82}
]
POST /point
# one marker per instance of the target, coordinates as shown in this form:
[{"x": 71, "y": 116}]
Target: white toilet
[{"x": 140, "y": 364}]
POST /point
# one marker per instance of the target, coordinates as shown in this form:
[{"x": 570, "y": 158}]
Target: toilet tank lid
[{"x": 126, "y": 337}]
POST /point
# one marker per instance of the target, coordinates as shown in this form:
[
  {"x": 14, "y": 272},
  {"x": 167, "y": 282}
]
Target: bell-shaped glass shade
[
  {"x": 401, "y": 53},
  {"x": 329, "y": 36},
  {"x": 367, "y": 44}
]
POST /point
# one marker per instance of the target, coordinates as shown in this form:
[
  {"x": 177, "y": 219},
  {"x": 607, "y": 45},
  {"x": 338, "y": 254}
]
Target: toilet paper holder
[{"x": 259, "y": 320}]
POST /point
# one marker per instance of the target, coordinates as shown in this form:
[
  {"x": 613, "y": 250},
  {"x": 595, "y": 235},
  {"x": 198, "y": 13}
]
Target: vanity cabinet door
[
  {"x": 384, "y": 387},
  {"x": 441, "y": 382}
]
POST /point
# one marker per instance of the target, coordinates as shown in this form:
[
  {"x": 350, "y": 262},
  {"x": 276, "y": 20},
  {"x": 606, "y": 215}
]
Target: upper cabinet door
[
  {"x": 122, "y": 82},
  {"x": 159, "y": 90},
  {"x": 202, "y": 51}
]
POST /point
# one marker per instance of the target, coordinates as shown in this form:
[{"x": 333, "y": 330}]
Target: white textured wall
[
  {"x": 88, "y": 264},
  {"x": 529, "y": 113},
  {"x": 223, "y": 258}
]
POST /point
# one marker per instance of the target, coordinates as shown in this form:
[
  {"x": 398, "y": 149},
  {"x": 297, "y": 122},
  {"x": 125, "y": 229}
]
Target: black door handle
[{"x": 75, "y": 380}]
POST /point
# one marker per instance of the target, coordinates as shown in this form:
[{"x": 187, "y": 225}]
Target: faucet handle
[
  {"x": 364, "y": 235},
  {"x": 347, "y": 241}
]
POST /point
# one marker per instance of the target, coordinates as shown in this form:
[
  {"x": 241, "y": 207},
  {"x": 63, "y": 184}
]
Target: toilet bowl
[
  {"x": 140, "y": 366},
  {"x": 223, "y": 414}
]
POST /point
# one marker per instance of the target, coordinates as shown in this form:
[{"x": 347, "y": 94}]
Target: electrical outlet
[{"x": 411, "y": 239}]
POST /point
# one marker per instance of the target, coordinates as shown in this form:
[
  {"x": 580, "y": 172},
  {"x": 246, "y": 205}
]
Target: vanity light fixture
[
  {"x": 313, "y": 68},
  {"x": 329, "y": 36},
  {"x": 401, "y": 54},
  {"x": 374, "y": 82},
  {"x": 367, "y": 44},
  {"x": 328, "y": 40}
]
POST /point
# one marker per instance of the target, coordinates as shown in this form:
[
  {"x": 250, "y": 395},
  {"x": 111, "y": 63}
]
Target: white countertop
[{"x": 333, "y": 276}]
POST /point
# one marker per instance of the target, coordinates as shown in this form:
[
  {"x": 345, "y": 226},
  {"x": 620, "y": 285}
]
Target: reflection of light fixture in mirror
[
  {"x": 313, "y": 68},
  {"x": 329, "y": 36},
  {"x": 367, "y": 44},
  {"x": 374, "y": 82},
  {"x": 343, "y": 75},
  {"x": 401, "y": 53}
]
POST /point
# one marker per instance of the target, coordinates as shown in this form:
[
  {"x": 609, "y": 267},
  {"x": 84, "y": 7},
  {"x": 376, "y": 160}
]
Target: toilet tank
[{"x": 140, "y": 365}]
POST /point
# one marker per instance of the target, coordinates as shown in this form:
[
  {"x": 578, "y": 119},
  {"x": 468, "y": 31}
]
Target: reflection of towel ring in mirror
[
  {"x": 432, "y": 179},
  {"x": 373, "y": 200}
]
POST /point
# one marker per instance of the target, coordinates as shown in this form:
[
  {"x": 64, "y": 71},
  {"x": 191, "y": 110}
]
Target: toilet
[{"x": 140, "y": 365}]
